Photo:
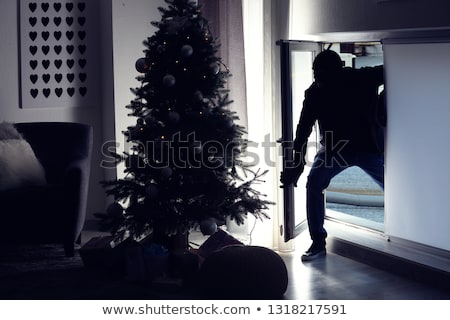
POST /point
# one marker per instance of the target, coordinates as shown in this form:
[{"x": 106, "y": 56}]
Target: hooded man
[{"x": 344, "y": 103}]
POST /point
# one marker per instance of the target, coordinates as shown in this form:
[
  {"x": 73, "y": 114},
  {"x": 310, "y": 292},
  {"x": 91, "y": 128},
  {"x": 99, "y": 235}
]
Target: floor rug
[{"x": 43, "y": 272}]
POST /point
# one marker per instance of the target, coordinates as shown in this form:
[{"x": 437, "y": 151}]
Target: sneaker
[{"x": 314, "y": 252}]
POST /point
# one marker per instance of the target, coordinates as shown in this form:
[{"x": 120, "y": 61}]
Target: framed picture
[{"x": 58, "y": 63}]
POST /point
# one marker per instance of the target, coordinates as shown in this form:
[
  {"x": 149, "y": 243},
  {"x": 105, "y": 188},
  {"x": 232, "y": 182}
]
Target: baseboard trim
[{"x": 398, "y": 256}]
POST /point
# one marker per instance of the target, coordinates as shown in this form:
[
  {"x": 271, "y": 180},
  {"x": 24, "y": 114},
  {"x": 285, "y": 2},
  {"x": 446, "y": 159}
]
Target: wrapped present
[
  {"x": 219, "y": 240},
  {"x": 105, "y": 254}
]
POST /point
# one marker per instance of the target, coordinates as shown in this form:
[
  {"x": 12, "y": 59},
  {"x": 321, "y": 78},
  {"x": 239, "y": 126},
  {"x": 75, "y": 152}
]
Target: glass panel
[{"x": 302, "y": 77}]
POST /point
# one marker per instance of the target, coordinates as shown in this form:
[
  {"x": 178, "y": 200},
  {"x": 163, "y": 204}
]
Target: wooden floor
[{"x": 335, "y": 277}]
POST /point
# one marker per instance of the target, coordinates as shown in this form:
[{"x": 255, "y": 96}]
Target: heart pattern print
[{"x": 56, "y": 54}]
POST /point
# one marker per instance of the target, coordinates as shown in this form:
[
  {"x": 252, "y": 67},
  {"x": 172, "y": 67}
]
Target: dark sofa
[{"x": 54, "y": 213}]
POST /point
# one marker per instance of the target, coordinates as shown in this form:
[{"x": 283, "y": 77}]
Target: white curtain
[
  {"x": 248, "y": 31},
  {"x": 225, "y": 22}
]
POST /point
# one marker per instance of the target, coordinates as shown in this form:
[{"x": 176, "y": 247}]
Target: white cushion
[
  {"x": 19, "y": 166},
  {"x": 8, "y": 131}
]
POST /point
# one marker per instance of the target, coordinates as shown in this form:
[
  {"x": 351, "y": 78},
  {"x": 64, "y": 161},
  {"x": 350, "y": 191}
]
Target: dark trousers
[{"x": 324, "y": 168}]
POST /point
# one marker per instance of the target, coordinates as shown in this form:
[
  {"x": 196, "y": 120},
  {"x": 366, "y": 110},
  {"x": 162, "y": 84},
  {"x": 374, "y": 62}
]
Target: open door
[
  {"x": 342, "y": 202},
  {"x": 296, "y": 58}
]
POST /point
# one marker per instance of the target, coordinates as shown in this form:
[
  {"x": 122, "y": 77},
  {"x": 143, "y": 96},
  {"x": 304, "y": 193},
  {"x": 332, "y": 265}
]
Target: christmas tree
[{"x": 185, "y": 165}]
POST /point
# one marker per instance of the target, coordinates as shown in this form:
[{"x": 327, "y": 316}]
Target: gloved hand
[
  {"x": 292, "y": 172},
  {"x": 291, "y": 175}
]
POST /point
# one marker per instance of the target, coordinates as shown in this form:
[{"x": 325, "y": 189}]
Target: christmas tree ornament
[
  {"x": 187, "y": 51},
  {"x": 177, "y": 24},
  {"x": 114, "y": 209},
  {"x": 142, "y": 65},
  {"x": 214, "y": 67},
  {"x": 198, "y": 96},
  {"x": 229, "y": 123},
  {"x": 149, "y": 120},
  {"x": 161, "y": 49},
  {"x": 197, "y": 147},
  {"x": 134, "y": 162},
  {"x": 151, "y": 191},
  {"x": 215, "y": 161},
  {"x": 166, "y": 172},
  {"x": 205, "y": 111},
  {"x": 208, "y": 227},
  {"x": 169, "y": 80},
  {"x": 143, "y": 95},
  {"x": 173, "y": 117},
  {"x": 134, "y": 133}
]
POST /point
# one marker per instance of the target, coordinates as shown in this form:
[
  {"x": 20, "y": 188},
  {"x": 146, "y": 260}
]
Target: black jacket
[{"x": 347, "y": 111}]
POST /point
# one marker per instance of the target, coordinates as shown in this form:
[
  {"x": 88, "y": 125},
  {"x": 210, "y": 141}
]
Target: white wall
[
  {"x": 10, "y": 109},
  {"x": 323, "y": 16},
  {"x": 418, "y": 148}
]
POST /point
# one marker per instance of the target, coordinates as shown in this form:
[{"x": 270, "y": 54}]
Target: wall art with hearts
[{"x": 58, "y": 54}]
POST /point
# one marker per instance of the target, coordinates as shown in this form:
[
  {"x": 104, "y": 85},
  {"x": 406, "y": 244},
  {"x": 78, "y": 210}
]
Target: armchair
[{"x": 55, "y": 212}]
